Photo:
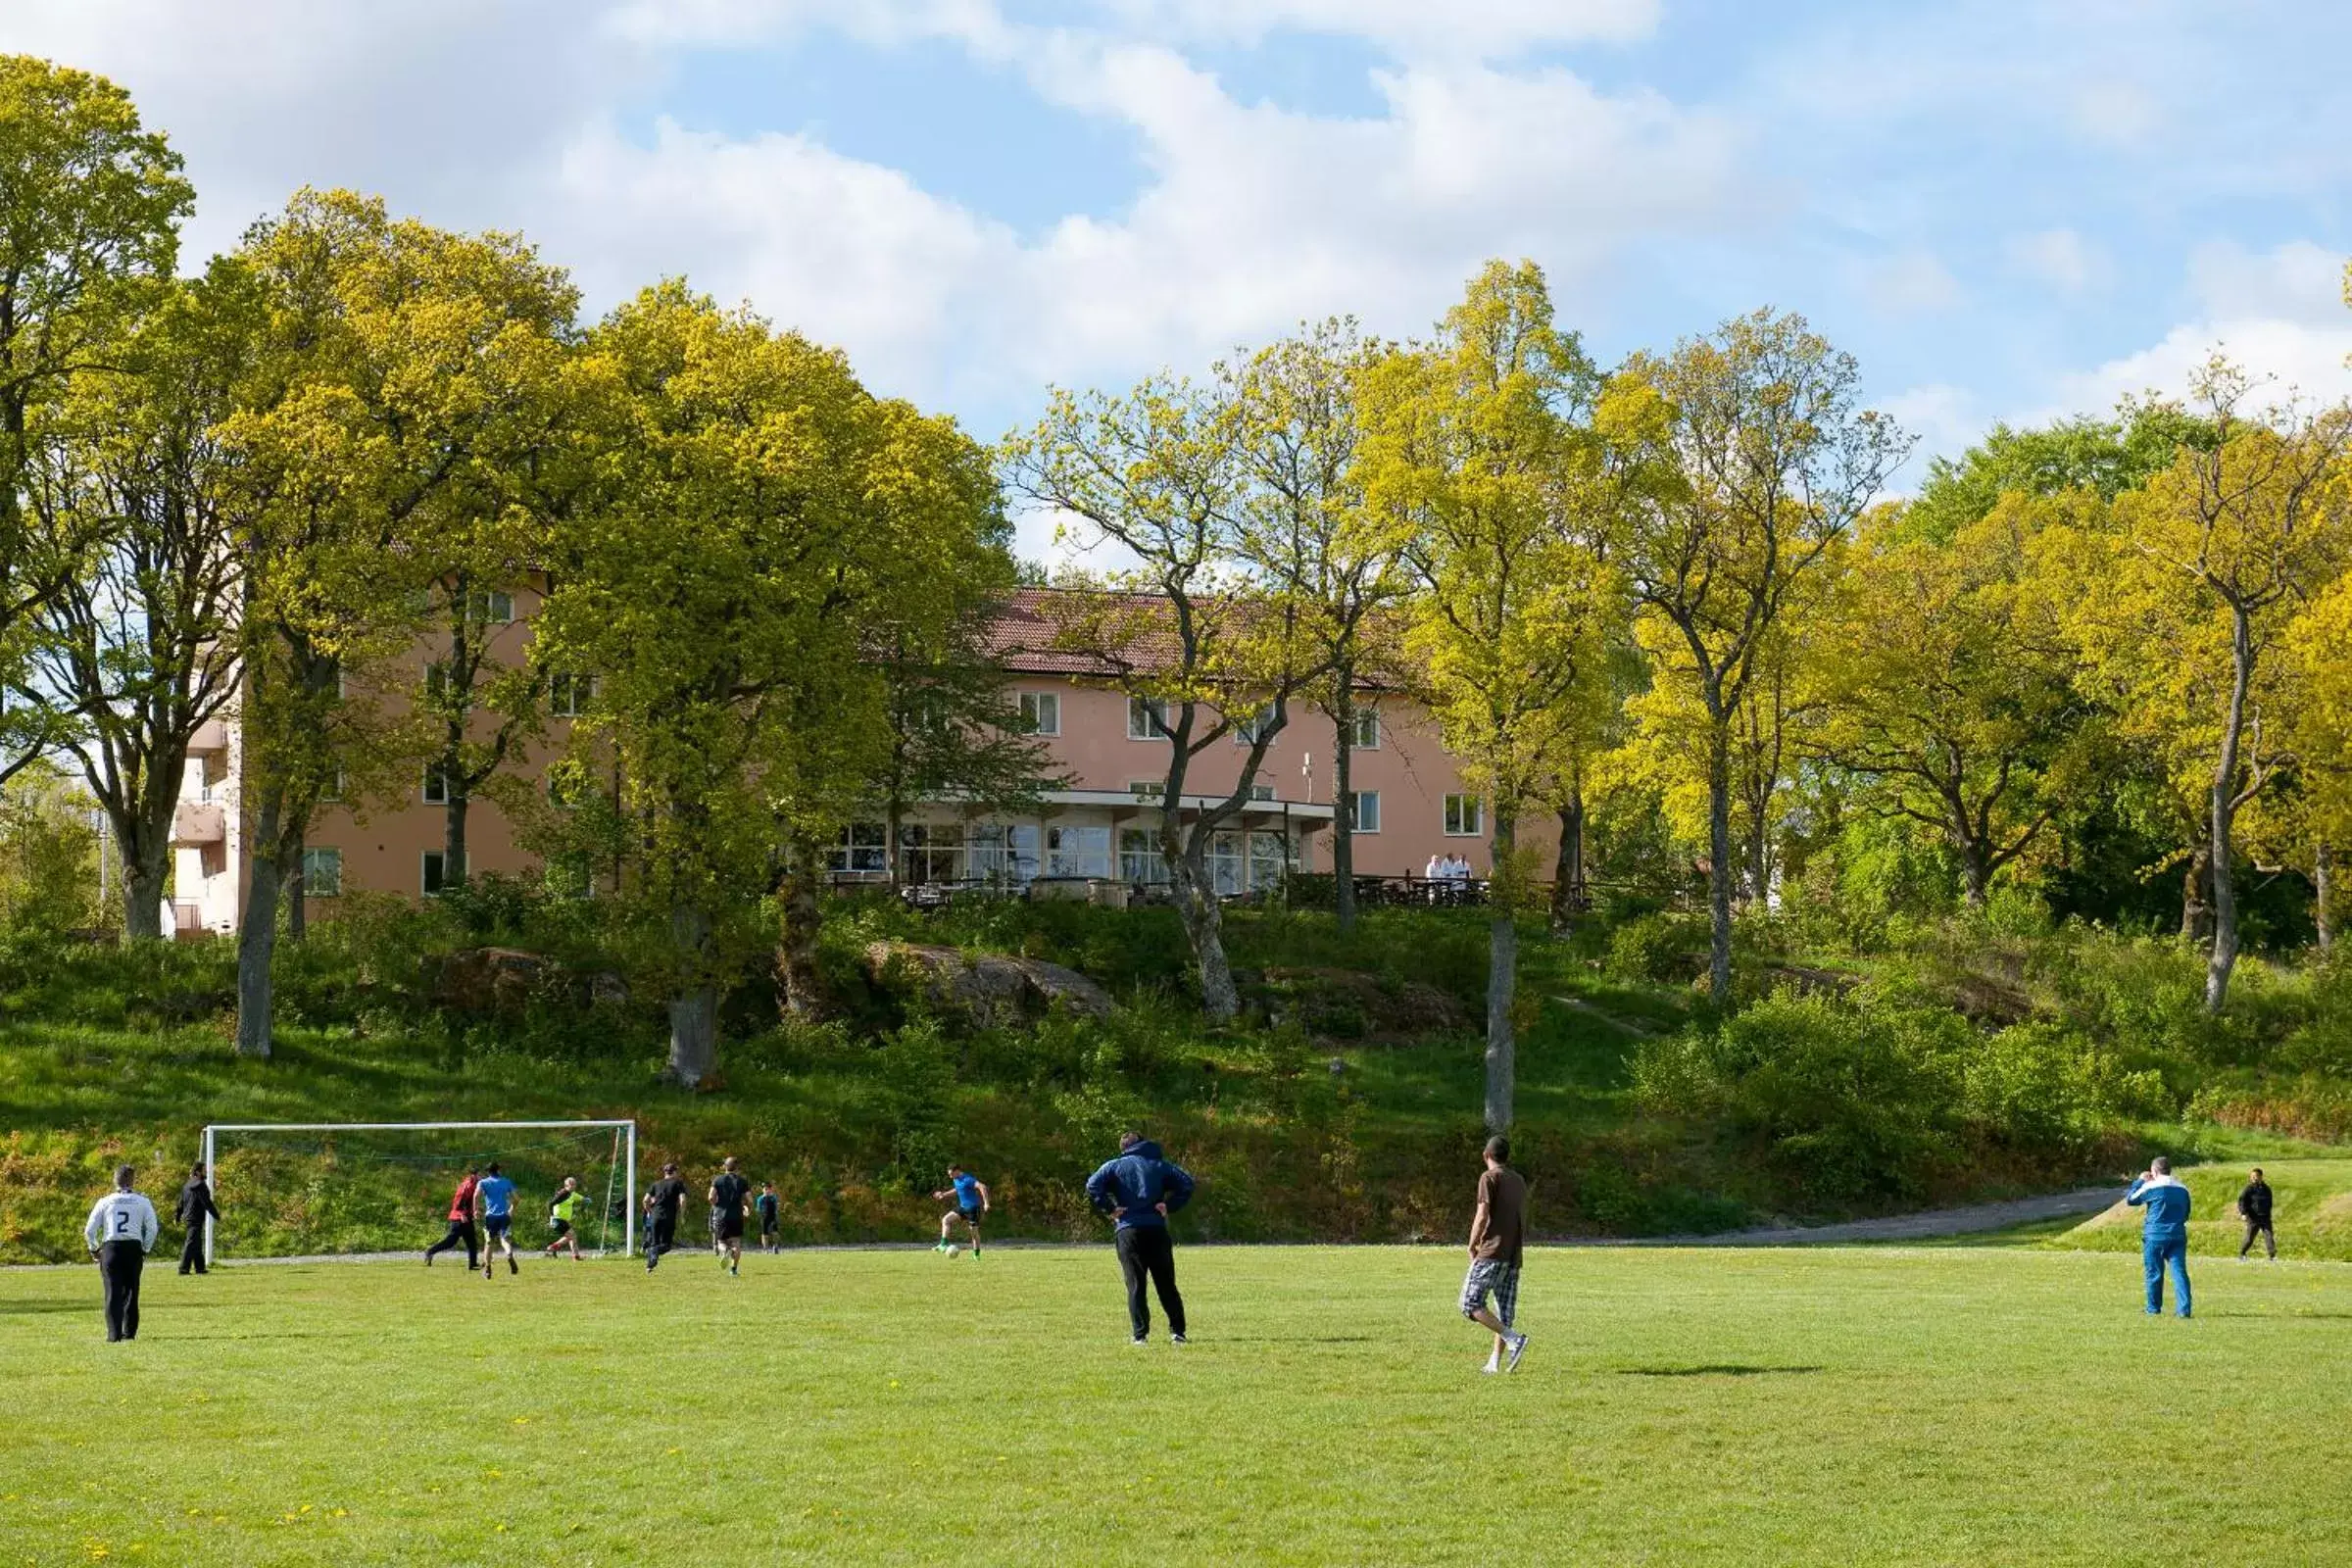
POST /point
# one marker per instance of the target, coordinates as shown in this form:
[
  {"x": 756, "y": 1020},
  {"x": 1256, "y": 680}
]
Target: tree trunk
[
  {"x": 894, "y": 818},
  {"x": 1503, "y": 985},
  {"x": 146, "y": 882},
  {"x": 2193, "y": 907},
  {"x": 1342, "y": 777},
  {"x": 2323, "y": 886},
  {"x": 796, "y": 944},
  {"x": 257, "y": 935},
  {"x": 453, "y": 830},
  {"x": 2225, "y": 811},
  {"x": 1719, "y": 861},
  {"x": 694, "y": 1013},
  {"x": 1204, "y": 928},
  {"x": 297, "y": 890},
  {"x": 1976, "y": 875},
  {"x": 1568, "y": 898}
]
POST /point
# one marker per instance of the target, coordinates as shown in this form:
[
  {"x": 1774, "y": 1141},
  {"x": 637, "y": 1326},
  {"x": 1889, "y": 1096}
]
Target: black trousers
[
  {"x": 118, "y": 1264},
  {"x": 191, "y": 1251},
  {"x": 1145, "y": 1251},
  {"x": 2261, "y": 1228},
  {"x": 460, "y": 1230}
]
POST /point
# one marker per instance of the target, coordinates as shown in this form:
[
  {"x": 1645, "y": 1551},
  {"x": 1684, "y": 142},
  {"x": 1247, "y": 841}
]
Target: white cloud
[
  {"x": 1909, "y": 283},
  {"x": 1483, "y": 30},
  {"x": 2060, "y": 258},
  {"x": 2297, "y": 282},
  {"x": 2121, "y": 114},
  {"x": 1946, "y": 418}
]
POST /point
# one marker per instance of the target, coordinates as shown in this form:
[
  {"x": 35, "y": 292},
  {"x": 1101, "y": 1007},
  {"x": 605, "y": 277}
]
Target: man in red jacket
[{"x": 461, "y": 1222}]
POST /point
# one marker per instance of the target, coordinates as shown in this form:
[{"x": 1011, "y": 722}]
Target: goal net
[{"x": 341, "y": 1189}]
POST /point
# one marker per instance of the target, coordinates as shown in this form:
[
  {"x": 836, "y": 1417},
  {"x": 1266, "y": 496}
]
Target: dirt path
[{"x": 1928, "y": 1223}]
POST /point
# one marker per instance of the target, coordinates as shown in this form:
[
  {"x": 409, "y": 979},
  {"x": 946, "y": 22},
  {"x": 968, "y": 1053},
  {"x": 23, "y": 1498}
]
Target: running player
[
  {"x": 497, "y": 1197},
  {"x": 565, "y": 1212},
  {"x": 461, "y": 1221},
  {"x": 665, "y": 1200},
  {"x": 971, "y": 1201},
  {"x": 728, "y": 1192},
  {"x": 767, "y": 1207}
]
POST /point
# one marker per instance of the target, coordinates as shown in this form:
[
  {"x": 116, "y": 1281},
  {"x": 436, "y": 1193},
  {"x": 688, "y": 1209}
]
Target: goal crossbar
[{"x": 628, "y": 1163}]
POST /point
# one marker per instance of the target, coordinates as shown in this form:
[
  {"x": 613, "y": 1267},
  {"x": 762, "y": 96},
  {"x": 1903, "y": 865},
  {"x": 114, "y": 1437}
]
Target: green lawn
[
  {"x": 1846, "y": 1405},
  {"x": 2311, "y": 1211}
]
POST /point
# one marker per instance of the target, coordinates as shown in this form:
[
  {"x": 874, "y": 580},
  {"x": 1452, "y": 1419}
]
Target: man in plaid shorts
[{"x": 1496, "y": 1235}]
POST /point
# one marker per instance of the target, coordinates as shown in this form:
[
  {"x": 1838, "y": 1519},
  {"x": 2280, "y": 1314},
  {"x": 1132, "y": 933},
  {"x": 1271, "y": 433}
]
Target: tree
[
  {"x": 90, "y": 205},
  {"x": 139, "y": 648},
  {"x": 1744, "y": 458},
  {"x": 1199, "y": 642},
  {"x": 1303, "y": 527},
  {"x": 2104, "y": 456},
  {"x": 1946, "y": 679},
  {"x": 757, "y": 512},
  {"x": 2322, "y": 738},
  {"x": 1476, "y": 441},
  {"x": 2252, "y": 527}
]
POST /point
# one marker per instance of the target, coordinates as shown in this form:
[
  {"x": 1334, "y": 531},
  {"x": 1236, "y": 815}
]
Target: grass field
[{"x": 1932, "y": 1406}]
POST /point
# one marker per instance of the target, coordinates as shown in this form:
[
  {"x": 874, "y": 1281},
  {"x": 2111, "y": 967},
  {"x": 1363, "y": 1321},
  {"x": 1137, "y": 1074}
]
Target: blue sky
[{"x": 2005, "y": 211}]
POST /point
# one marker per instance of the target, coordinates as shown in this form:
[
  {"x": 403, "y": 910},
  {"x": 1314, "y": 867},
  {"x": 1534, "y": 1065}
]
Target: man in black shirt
[
  {"x": 196, "y": 1206},
  {"x": 727, "y": 1194},
  {"x": 667, "y": 1200},
  {"x": 2254, "y": 1207}
]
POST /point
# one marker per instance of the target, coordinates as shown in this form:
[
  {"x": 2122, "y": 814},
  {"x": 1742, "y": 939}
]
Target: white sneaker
[
  {"x": 1518, "y": 1350},
  {"x": 1177, "y": 1339},
  {"x": 1491, "y": 1368}
]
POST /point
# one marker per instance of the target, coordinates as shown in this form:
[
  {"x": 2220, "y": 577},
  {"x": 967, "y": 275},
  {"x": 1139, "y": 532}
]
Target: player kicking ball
[
  {"x": 971, "y": 1201},
  {"x": 564, "y": 1214}
]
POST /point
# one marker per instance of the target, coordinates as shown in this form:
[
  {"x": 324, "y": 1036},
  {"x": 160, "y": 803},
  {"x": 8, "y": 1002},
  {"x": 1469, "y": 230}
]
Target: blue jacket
[
  {"x": 2167, "y": 1204},
  {"x": 1140, "y": 1179}
]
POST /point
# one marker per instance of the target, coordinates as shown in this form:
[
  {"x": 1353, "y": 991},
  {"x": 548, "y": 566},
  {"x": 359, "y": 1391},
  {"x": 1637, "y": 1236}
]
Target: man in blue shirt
[
  {"x": 971, "y": 1201},
  {"x": 2163, "y": 1233},
  {"x": 496, "y": 1194},
  {"x": 1140, "y": 1190}
]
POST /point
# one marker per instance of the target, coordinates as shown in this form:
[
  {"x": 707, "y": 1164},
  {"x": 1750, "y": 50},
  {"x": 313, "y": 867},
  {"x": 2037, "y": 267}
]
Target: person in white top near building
[{"x": 121, "y": 1229}]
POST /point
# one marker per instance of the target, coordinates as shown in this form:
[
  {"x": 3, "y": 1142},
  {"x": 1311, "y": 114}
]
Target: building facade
[{"x": 1095, "y": 834}]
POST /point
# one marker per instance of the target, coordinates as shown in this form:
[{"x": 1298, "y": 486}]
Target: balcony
[
  {"x": 210, "y": 740},
  {"x": 195, "y": 825}
]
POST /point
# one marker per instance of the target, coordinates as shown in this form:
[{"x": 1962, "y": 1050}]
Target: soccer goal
[{"x": 293, "y": 1189}]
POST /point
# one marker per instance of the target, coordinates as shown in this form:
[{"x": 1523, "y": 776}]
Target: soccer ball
[{"x": 955, "y": 1250}]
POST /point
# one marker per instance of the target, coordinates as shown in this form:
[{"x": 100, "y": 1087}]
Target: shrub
[{"x": 1658, "y": 949}]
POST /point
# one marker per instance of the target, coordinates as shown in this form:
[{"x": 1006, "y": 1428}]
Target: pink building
[{"x": 1410, "y": 804}]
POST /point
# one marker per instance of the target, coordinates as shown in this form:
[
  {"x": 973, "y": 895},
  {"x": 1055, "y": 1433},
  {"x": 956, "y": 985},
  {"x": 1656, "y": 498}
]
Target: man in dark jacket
[
  {"x": 2254, "y": 1207},
  {"x": 1140, "y": 1190},
  {"x": 196, "y": 1206}
]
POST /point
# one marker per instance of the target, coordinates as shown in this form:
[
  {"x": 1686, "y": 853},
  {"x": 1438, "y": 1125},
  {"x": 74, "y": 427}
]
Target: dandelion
[{"x": 522, "y": 1420}]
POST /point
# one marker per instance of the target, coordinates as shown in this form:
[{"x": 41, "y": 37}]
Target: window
[
  {"x": 861, "y": 849},
  {"x": 1004, "y": 852},
  {"x": 1247, "y": 730},
  {"x": 1148, "y": 788},
  {"x": 1041, "y": 713},
  {"x": 436, "y": 683},
  {"x": 568, "y": 786},
  {"x": 1078, "y": 852},
  {"x": 1225, "y": 863},
  {"x": 211, "y": 859},
  {"x": 436, "y": 873},
  {"x": 1261, "y": 792},
  {"x": 931, "y": 852},
  {"x": 568, "y": 877},
  {"x": 333, "y": 790},
  {"x": 1367, "y": 729},
  {"x": 1267, "y": 861},
  {"x": 492, "y": 606},
  {"x": 1363, "y": 811},
  {"x": 1147, "y": 718},
  {"x": 323, "y": 873},
  {"x": 1140, "y": 860},
  {"x": 436, "y": 785},
  {"x": 1465, "y": 816},
  {"x": 567, "y": 694}
]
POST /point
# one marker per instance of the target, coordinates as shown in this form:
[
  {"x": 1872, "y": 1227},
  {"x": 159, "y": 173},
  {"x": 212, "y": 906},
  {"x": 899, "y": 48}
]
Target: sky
[{"x": 2004, "y": 211}]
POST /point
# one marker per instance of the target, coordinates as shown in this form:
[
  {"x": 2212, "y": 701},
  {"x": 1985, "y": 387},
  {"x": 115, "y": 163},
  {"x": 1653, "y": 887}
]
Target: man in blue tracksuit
[
  {"x": 1140, "y": 1190},
  {"x": 2163, "y": 1233}
]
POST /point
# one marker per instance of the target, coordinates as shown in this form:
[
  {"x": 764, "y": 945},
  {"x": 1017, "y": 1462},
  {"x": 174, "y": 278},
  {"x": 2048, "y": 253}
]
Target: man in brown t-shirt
[{"x": 1497, "y": 1234}]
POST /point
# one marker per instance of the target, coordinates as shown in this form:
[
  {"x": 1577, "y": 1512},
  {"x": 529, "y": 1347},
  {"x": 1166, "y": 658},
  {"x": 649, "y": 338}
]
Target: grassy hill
[{"x": 2312, "y": 1212}]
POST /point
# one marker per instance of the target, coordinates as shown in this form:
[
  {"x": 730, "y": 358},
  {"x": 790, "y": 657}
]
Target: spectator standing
[
  {"x": 2254, "y": 1207},
  {"x": 2163, "y": 1233},
  {"x": 196, "y": 1209},
  {"x": 1140, "y": 1190}
]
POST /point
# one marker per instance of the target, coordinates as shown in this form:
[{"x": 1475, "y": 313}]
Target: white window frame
[
  {"x": 434, "y": 790},
  {"x": 1359, "y": 822},
  {"x": 1465, "y": 816},
  {"x": 568, "y": 695},
  {"x": 1246, "y": 729},
  {"x": 1148, "y": 788},
  {"x": 425, "y": 864},
  {"x": 1035, "y": 707},
  {"x": 1365, "y": 717},
  {"x": 1153, "y": 713},
  {"x": 497, "y": 607},
  {"x": 321, "y": 855}
]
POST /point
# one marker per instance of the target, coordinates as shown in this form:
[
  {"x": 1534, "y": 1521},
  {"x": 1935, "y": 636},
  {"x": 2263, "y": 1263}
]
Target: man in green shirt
[{"x": 564, "y": 1214}]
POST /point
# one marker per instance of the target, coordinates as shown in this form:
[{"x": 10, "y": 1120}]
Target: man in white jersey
[{"x": 121, "y": 1230}]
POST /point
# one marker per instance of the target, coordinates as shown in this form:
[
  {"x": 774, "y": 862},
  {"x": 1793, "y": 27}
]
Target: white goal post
[{"x": 628, "y": 1161}]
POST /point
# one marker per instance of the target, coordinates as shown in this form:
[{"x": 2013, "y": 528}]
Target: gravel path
[{"x": 1928, "y": 1223}]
